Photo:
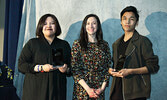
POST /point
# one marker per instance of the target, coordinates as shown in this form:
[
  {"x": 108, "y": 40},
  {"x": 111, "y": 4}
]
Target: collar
[
  {"x": 44, "y": 40},
  {"x": 134, "y": 37}
]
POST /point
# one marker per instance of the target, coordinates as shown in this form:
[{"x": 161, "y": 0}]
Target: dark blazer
[
  {"x": 139, "y": 53},
  {"x": 47, "y": 85}
]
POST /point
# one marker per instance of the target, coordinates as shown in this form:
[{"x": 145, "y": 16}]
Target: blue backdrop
[{"x": 20, "y": 25}]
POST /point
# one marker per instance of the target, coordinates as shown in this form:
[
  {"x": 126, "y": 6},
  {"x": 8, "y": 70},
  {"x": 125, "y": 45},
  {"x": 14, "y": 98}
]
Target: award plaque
[{"x": 58, "y": 59}]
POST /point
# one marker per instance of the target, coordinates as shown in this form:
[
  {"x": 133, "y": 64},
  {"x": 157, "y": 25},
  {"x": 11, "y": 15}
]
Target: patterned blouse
[{"x": 91, "y": 65}]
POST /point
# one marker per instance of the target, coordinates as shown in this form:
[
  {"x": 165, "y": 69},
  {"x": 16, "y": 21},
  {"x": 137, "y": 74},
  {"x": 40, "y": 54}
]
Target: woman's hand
[
  {"x": 92, "y": 94},
  {"x": 63, "y": 69},
  {"x": 99, "y": 91},
  {"x": 47, "y": 67}
]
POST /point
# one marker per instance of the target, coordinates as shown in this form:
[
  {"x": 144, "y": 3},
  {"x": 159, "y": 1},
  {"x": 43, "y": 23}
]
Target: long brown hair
[{"x": 83, "y": 38}]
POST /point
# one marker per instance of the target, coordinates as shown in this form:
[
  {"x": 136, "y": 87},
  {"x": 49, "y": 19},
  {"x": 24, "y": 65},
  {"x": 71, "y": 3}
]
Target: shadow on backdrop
[
  {"x": 156, "y": 23},
  {"x": 73, "y": 32},
  {"x": 112, "y": 30}
]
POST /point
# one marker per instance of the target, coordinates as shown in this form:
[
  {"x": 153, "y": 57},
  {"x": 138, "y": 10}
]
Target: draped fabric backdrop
[
  {"x": 12, "y": 25},
  {"x": 70, "y": 13}
]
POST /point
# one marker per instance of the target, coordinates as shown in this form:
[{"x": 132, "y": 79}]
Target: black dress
[{"x": 47, "y": 85}]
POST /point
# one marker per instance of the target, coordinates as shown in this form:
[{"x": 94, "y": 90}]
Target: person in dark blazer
[
  {"x": 133, "y": 61},
  {"x": 42, "y": 80}
]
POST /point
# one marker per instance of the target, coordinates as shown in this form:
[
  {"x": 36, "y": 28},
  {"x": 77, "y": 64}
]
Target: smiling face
[
  {"x": 91, "y": 26},
  {"x": 49, "y": 28},
  {"x": 128, "y": 21}
]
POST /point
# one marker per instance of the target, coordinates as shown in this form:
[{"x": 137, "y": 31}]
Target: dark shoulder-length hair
[
  {"x": 83, "y": 38},
  {"x": 41, "y": 23}
]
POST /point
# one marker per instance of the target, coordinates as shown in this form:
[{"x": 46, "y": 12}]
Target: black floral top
[{"x": 91, "y": 65}]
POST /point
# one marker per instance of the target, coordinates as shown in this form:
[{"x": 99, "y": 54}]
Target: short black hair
[{"x": 130, "y": 9}]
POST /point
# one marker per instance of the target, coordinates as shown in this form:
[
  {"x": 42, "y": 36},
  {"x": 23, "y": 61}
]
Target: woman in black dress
[{"x": 43, "y": 81}]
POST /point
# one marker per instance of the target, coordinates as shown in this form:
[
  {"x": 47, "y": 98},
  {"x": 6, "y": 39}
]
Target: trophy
[{"x": 58, "y": 60}]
